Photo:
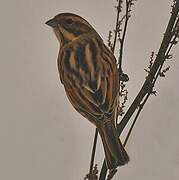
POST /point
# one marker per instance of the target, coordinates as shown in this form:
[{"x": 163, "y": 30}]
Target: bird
[{"x": 88, "y": 71}]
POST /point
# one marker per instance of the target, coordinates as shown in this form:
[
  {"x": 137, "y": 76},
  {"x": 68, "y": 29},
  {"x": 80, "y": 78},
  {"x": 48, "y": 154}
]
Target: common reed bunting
[{"x": 90, "y": 77}]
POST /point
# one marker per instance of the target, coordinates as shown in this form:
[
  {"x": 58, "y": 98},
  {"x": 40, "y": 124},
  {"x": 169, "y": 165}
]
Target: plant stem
[
  {"x": 117, "y": 23},
  {"x": 93, "y": 152},
  {"x": 123, "y": 37},
  {"x": 149, "y": 82},
  {"x": 157, "y": 63}
]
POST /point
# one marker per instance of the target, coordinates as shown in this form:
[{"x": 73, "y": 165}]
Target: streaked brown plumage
[{"x": 89, "y": 74}]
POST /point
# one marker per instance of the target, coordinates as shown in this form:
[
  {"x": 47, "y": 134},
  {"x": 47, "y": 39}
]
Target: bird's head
[{"x": 68, "y": 27}]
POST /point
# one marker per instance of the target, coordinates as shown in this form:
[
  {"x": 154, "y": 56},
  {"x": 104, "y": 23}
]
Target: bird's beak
[{"x": 52, "y": 23}]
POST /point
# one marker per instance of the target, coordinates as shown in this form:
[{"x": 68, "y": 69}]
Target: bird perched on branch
[{"x": 89, "y": 73}]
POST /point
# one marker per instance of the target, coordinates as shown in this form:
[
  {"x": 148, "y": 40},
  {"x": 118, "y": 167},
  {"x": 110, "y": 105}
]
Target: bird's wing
[{"x": 89, "y": 74}]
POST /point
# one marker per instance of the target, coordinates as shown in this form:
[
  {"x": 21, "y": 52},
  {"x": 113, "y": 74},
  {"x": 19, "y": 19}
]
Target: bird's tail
[{"x": 114, "y": 151}]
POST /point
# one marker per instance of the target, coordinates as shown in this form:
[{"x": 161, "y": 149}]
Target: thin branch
[
  {"x": 135, "y": 119},
  {"x": 123, "y": 36},
  {"x": 103, "y": 172},
  {"x": 132, "y": 126},
  {"x": 117, "y": 24},
  {"x": 92, "y": 175},
  {"x": 93, "y": 151}
]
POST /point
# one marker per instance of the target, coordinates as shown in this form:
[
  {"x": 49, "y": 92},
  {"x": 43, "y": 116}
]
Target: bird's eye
[{"x": 69, "y": 21}]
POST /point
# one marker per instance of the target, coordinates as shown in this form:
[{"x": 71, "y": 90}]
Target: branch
[
  {"x": 148, "y": 85},
  {"x": 157, "y": 63}
]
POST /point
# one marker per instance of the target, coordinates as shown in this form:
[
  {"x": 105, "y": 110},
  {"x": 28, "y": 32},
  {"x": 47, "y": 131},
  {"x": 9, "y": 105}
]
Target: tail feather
[{"x": 113, "y": 148}]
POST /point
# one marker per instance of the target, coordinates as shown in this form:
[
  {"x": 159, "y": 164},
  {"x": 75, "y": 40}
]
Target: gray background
[{"x": 41, "y": 135}]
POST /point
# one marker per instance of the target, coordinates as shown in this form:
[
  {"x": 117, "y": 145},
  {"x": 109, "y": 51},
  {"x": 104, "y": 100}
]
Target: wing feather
[{"x": 90, "y": 77}]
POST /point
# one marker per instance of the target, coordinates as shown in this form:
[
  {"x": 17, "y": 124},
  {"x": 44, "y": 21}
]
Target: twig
[
  {"x": 135, "y": 119},
  {"x": 103, "y": 172},
  {"x": 92, "y": 170},
  {"x": 117, "y": 24},
  {"x": 123, "y": 36},
  {"x": 93, "y": 151}
]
